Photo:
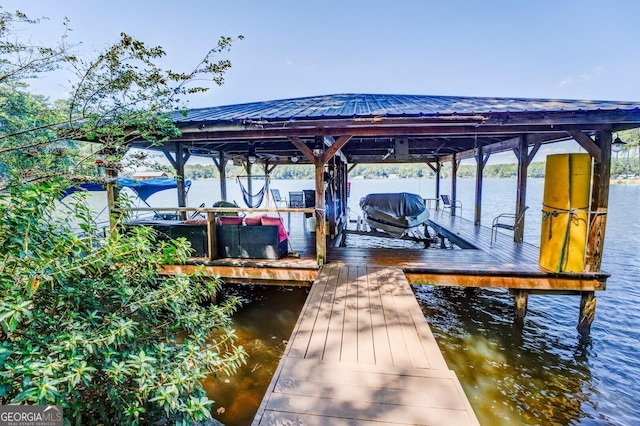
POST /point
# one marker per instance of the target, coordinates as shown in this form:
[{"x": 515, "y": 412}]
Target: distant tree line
[{"x": 371, "y": 171}]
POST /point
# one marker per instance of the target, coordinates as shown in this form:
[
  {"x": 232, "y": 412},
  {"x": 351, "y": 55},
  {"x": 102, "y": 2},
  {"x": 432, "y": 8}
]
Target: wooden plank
[
  {"x": 347, "y": 318},
  {"x": 404, "y": 306},
  {"x": 381, "y": 344},
  {"x": 399, "y": 350},
  {"x": 301, "y": 336},
  {"x": 366, "y": 410},
  {"x": 281, "y": 418},
  {"x": 295, "y": 276},
  {"x": 320, "y": 328},
  {"x": 366, "y": 350},
  {"x": 334, "y": 312},
  {"x": 524, "y": 283}
]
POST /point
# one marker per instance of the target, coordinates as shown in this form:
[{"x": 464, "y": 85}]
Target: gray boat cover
[{"x": 394, "y": 212}]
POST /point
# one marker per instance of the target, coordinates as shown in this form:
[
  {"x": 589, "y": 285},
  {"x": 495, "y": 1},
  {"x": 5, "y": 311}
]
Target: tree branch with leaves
[{"x": 95, "y": 327}]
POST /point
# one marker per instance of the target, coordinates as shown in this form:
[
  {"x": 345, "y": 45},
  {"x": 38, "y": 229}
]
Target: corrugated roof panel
[{"x": 377, "y": 105}]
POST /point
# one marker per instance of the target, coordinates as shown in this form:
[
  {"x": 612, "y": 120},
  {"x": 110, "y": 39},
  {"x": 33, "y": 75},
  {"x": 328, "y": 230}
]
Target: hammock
[{"x": 253, "y": 200}]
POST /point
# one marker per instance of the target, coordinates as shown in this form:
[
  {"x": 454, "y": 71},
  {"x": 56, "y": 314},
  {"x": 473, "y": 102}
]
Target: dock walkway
[{"x": 362, "y": 353}]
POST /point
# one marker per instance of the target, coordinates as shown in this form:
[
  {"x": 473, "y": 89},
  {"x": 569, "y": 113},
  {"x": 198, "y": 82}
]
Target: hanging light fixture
[
  {"x": 317, "y": 150},
  {"x": 617, "y": 145}
]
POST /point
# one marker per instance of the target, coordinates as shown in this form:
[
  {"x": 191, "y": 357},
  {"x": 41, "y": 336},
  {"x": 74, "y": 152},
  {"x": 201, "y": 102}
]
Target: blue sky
[{"x": 543, "y": 49}]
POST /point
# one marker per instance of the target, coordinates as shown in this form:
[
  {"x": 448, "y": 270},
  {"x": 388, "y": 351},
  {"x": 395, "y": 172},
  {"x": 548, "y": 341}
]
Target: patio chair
[
  {"x": 510, "y": 222},
  {"x": 277, "y": 198},
  {"x": 447, "y": 204},
  {"x": 296, "y": 199}
]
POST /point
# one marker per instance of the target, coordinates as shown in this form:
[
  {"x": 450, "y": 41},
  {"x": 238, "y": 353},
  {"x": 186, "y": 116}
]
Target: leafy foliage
[
  {"x": 121, "y": 96},
  {"x": 92, "y": 325},
  {"x": 97, "y": 329}
]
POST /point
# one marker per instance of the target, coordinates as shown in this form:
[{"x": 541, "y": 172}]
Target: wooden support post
[
  {"x": 247, "y": 167},
  {"x": 599, "y": 204},
  {"x": 182, "y": 193},
  {"x": 522, "y": 153},
  {"x": 221, "y": 165},
  {"x": 479, "y": 171},
  {"x": 438, "y": 176},
  {"x": 587, "y": 312},
  {"x": 455, "y": 163},
  {"x": 211, "y": 236},
  {"x": 436, "y": 170},
  {"x": 112, "y": 194},
  {"x": 597, "y": 226},
  {"x": 321, "y": 240},
  {"x": 521, "y": 298},
  {"x": 178, "y": 164}
]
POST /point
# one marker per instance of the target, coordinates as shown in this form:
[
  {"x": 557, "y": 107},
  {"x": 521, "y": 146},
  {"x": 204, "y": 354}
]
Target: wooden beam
[
  {"x": 263, "y": 274},
  {"x": 437, "y": 183},
  {"x": 335, "y": 147},
  {"x": 525, "y": 283},
  {"x": 321, "y": 239},
  {"x": 521, "y": 187},
  {"x": 181, "y": 159},
  {"x": 112, "y": 194},
  {"x": 212, "y": 241},
  {"x": 455, "y": 163},
  {"x": 480, "y": 162},
  {"x": 599, "y": 204},
  {"x": 306, "y": 151},
  {"x": 587, "y": 143},
  {"x": 221, "y": 165}
]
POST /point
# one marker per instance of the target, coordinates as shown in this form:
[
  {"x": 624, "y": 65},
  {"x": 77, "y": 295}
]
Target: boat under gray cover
[{"x": 394, "y": 213}]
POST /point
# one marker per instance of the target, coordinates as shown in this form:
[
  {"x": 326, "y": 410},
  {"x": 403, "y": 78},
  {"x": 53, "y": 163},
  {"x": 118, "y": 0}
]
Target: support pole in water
[
  {"x": 587, "y": 311},
  {"x": 521, "y": 298}
]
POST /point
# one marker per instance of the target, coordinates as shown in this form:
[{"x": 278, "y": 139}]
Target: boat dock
[{"x": 360, "y": 353}]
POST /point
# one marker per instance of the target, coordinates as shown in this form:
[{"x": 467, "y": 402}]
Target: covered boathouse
[{"x": 336, "y": 132}]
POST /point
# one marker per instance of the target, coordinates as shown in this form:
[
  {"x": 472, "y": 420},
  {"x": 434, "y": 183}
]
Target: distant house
[{"x": 149, "y": 175}]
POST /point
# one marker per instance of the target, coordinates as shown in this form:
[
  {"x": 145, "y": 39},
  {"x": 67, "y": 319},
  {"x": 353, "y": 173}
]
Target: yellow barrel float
[{"x": 565, "y": 212}]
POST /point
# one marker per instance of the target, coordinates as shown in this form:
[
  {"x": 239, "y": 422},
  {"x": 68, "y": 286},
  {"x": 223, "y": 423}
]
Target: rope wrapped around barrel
[{"x": 572, "y": 217}]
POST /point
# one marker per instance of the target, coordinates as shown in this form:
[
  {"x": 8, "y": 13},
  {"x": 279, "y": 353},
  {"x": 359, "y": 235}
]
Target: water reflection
[
  {"x": 263, "y": 324},
  {"x": 539, "y": 376}
]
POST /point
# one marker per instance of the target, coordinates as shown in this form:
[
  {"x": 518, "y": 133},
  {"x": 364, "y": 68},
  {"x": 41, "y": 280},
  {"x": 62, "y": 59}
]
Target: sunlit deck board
[
  {"x": 503, "y": 264},
  {"x": 362, "y": 353}
]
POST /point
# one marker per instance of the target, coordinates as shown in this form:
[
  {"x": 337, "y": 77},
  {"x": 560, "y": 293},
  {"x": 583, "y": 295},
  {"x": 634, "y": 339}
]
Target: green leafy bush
[{"x": 95, "y": 327}]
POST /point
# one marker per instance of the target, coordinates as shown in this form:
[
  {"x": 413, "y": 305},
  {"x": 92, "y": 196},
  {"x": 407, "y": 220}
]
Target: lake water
[{"x": 546, "y": 374}]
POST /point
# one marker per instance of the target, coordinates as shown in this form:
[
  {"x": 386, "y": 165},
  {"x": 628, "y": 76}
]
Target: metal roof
[
  {"x": 416, "y": 128},
  {"x": 344, "y": 106}
]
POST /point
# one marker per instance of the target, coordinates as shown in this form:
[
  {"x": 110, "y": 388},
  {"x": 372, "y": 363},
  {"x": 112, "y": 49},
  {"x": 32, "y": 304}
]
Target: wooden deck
[
  {"x": 502, "y": 264},
  {"x": 362, "y": 353}
]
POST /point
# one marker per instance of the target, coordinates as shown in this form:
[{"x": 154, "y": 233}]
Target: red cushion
[
  {"x": 253, "y": 220},
  {"x": 282, "y": 234},
  {"x": 230, "y": 220},
  {"x": 196, "y": 221}
]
